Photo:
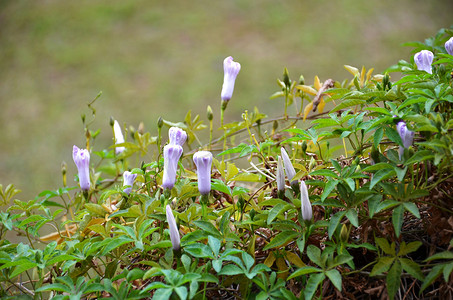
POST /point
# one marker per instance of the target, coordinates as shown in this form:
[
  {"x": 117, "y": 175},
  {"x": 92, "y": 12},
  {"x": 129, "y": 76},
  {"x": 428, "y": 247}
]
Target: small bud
[
  {"x": 344, "y": 234},
  {"x": 203, "y": 161},
  {"x": 301, "y": 80},
  {"x": 305, "y": 204},
  {"x": 275, "y": 125},
  {"x": 174, "y": 232},
  {"x": 63, "y": 172},
  {"x": 81, "y": 159},
  {"x": 423, "y": 60},
  {"x": 231, "y": 70},
  {"x": 449, "y": 46},
  {"x": 304, "y": 146},
  {"x": 112, "y": 121},
  {"x": 286, "y": 79},
  {"x": 83, "y": 118},
  {"x": 132, "y": 131},
  {"x": 141, "y": 128},
  {"x": 160, "y": 122},
  {"x": 210, "y": 113}
]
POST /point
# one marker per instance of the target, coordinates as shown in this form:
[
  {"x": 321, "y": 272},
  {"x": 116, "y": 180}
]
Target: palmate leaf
[
  {"x": 281, "y": 239},
  {"x": 393, "y": 279},
  {"x": 312, "y": 284}
]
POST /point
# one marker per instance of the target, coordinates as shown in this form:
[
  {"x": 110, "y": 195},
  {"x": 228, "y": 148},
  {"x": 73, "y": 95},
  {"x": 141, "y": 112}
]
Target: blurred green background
[{"x": 162, "y": 58}]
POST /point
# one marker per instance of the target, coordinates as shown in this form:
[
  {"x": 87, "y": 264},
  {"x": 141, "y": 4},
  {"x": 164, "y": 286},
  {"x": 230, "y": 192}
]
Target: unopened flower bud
[
  {"x": 172, "y": 153},
  {"x": 174, "y": 232},
  {"x": 160, "y": 122},
  {"x": 231, "y": 70},
  {"x": 286, "y": 79},
  {"x": 423, "y": 60},
  {"x": 275, "y": 125},
  {"x": 301, "y": 80},
  {"x": 209, "y": 113},
  {"x": 290, "y": 172},
  {"x": 280, "y": 175},
  {"x": 203, "y": 161},
  {"x": 304, "y": 146},
  {"x": 128, "y": 180},
  {"x": 305, "y": 204},
  {"x": 119, "y": 139},
  {"x": 81, "y": 159},
  {"x": 406, "y": 135},
  {"x": 141, "y": 128},
  {"x": 177, "y": 136},
  {"x": 112, "y": 121},
  {"x": 449, "y": 46}
]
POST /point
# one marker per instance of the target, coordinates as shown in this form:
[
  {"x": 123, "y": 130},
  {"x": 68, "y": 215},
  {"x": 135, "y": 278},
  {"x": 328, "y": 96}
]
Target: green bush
[{"x": 375, "y": 154}]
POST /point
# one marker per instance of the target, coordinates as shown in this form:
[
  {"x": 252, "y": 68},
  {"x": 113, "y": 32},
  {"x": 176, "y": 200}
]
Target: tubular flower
[
  {"x": 290, "y": 172},
  {"x": 81, "y": 159},
  {"x": 280, "y": 175},
  {"x": 119, "y": 139},
  {"x": 128, "y": 179},
  {"x": 172, "y": 153},
  {"x": 449, "y": 46},
  {"x": 174, "y": 233},
  {"x": 305, "y": 204},
  {"x": 177, "y": 136},
  {"x": 423, "y": 60},
  {"x": 406, "y": 135},
  {"x": 203, "y": 161},
  {"x": 231, "y": 70}
]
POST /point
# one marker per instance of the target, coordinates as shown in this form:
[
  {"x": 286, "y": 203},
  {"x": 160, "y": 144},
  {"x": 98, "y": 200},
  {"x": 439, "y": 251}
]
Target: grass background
[{"x": 162, "y": 58}]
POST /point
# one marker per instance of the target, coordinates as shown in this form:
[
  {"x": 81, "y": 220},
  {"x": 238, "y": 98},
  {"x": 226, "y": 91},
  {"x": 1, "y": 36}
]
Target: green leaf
[
  {"x": 314, "y": 254},
  {"x": 58, "y": 287},
  {"x": 334, "y": 221},
  {"x": 219, "y": 185},
  {"x": 214, "y": 244},
  {"x": 230, "y": 270},
  {"x": 393, "y": 279},
  {"x": 382, "y": 265},
  {"x": 419, "y": 156},
  {"x": 335, "y": 278},
  {"x": 348, "y": 103},
  {"x": 352, "y": 216},
  {"x": 441, "y": 255},
  {"x": 276, "y": 210},
  {"x": 281, "y": 239},
  {"x": 312, "y": 285},
  {"x": 397, "y": 219},
  {"x": 393, "y": 135},
  {"x": 408, "y": 248},
  {"x": 325, "y": 173},
  {"x": 199, "y": 250},
  {"x": 412, "y": 208},
  {"x": 412, "y": 268},
  {"x": 208, "y": 227},
  {"x": 381, "y": 175},
  {"x": 303, "y": 271},
  {"x": 330, "y": 186},
  {"x": 432, "y": 276}
]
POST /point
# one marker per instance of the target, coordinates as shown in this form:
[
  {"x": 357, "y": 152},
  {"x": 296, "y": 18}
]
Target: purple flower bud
[
  {"x": 423, "y": 60},
  {"x": 81, "y": 159},
  {"x": 177, "y": 136},
  {"x": 172, "y": 153},
  {"x": 406, "y": 135},
  {"x": 290, "y": 172},
  {"x": 203, "y": 161},
  {"x": 280, "y": 175},
  {"x": 305, "y": 204},
  {"x": 119, "y": 139},
  {"x": 128, "y": 179},
  {"x": 449, "y": 46},
  {"x": 231, "y": 70},
  {"x": 174, "y": 232}
]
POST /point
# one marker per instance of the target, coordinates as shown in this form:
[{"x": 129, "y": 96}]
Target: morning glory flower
[
  {"x": 177, "y": 136},
  {"x": 119, "y": 139},
  {"x": 423, "y": 60},
  {"x": 231, "y": 70},
  {"x": 449, "y": 46},
  {"x": 172, "y": 153},
  {"x": 128, "y": 179},
  {"x": 203, "y": 161},
  {"x": 81, "y": 159},
  {"x": 280, "y": 175},
  {"x": 174, "y": 232},
  {"x": 305, "y": 204},
  {"x": 290, "y": 172},
  {"x": 406, "y": 135}
]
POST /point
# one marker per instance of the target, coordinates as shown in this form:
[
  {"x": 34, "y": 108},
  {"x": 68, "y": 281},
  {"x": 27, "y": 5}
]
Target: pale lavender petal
[
  {"x": 449, "y": 46},
  {"x": 290, "y": 171},
  {"x": 174, "y": 232},
  {"x": 177, "y": 136},
  {"x": 81, "y": 159},
  {"x": 305, "y": 205},
  {"x": 423, "y": 60},
  {"x": 128, "y": 180},
  {"x": 280, "y": 175},
  {"x": 172, "y": 153}
]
